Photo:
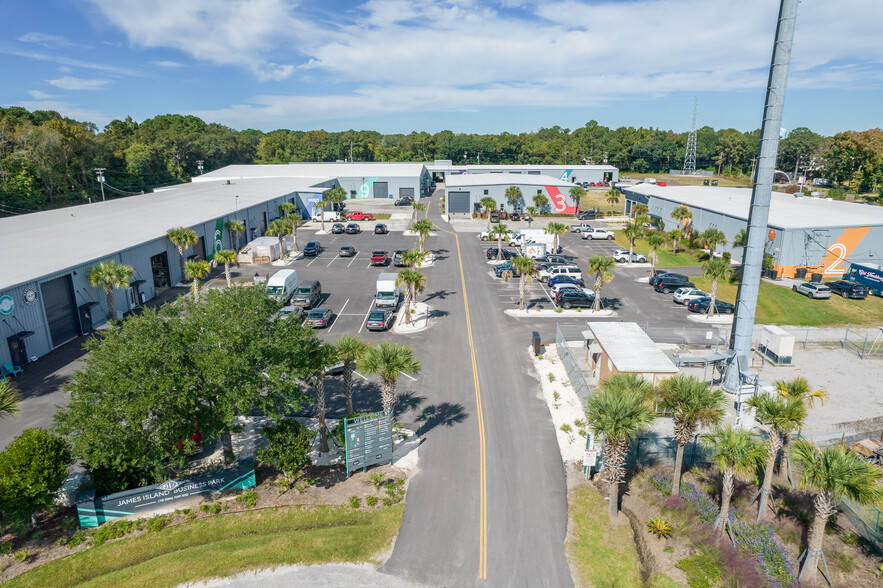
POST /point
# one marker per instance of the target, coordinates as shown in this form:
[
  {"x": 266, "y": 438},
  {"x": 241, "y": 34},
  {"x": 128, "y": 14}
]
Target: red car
[
  {"x": 359, "y": 216},
  {"x": 379, "y": 257}
]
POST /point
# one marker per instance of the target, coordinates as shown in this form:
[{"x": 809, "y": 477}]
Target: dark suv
[
  {"x": 507, "y": 253},
  {"x": 312, "y": 248},
  {"x": 671, "y": 283},
  {"x": 307, "y": 294},
  {"x": 570, "y": 298},
  {"x": 848, "y": 289},
  {"x": 661, "y": 274}
]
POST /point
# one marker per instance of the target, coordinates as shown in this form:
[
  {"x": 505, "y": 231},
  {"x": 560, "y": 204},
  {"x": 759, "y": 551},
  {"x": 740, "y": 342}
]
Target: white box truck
[
  {"x": 387, "y": 291},
  {"x": 282, "y": 285}
]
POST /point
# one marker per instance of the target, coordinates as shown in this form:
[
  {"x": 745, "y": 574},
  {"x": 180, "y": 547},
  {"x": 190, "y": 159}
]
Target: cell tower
[{"x": 690, "y": 155}]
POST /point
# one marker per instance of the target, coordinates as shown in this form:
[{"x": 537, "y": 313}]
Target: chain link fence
[
  {"x": 571, "y": 363},
  {"x": 716, "y": 337}
]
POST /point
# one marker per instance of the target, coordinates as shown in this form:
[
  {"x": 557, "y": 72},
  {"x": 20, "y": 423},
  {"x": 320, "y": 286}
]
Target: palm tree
[
  {"x": 619, "y": 410},
  {"x": 632, "y": 231},
  {"x": 734, "y": 452},
  {"x": 531, "y": 211},
  {"x": 712, "y": 238},
  {"x": 683, "y": 215},
  {"x": 499, "y": 232},
  {"x": 741, "y": 238},
  {"x": 778, "y": 414},
  {"x": 527, "y": 269},
  {"x": 693, "y": 404},
  {"x": 227, "y": 257},
  {"x": 182, "y": 238},
  {"x": 514, "y": 197},
  {"x": 798, "y": 388},
  {"x": 602, "y": 267},
  {"x": 676, "y": 235},
  {"x": 714, "y": 270},
  {"x": 833, "y": 473},
  {"x": 197, "y": 270},
  {"x": 323, "y": 356},
  {"x": 287, "y": 208},
  {"x": 389, "y": 360},
  {"x": 349, "y": 350},
  {"x": 9, "y": 400},
  {"x": 556, "y": 229},
  {"x": 414, "y": 281},
  {"x": 413, "y": 257},
  {"x": 613, "y": 196},
  {"x": 541, "y": 201},
  {"x": 235, "y": 228},
  {"x": 577, "y": 192},
  {"x": 488, "y": 204},
  {"x": 279, "y": 228},
  {"x": 422, "y": 227},
  {"x": 655, "y": 239},
  {"x": 109, "y": 275},
  {"x": 640, "y": 209}
]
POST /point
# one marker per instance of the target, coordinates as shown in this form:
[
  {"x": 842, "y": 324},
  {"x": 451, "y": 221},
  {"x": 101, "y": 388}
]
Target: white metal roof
[
  {"x": 786, "y": 211},
  {"x": 444, "y": 165},
  {"x": 41, "y": 243},
  {"x": 309, "y": 170},
  {"x": 630, "y": 348},
  {"x": 464, "y": 180}
]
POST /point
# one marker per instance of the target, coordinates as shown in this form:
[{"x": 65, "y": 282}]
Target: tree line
[{"x": 47, "y": 160}]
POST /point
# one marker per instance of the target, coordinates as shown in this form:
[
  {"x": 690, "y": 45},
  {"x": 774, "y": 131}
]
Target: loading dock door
[
  {"x": 406, "y": 192},
  {"x": 458, "y": 202},
  {"x": 381, "y": 189},
  {"x": 61, "y": 309}
]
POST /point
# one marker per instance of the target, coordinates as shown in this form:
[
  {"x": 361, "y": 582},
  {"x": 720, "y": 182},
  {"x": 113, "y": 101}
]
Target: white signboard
[{"x": 590, "y": 458}]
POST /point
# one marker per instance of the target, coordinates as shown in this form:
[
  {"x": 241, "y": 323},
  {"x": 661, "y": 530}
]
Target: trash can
[
  {"x": 816, "y": 278},
  {"x": 535, "y": 341},
  {"x": 704, "y": 182},
  {"x": 801, "y": 273}
]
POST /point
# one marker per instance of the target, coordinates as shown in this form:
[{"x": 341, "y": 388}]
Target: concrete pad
[
  {"x": 551, "y": 313},
  {"x": 717, "y": 319}
]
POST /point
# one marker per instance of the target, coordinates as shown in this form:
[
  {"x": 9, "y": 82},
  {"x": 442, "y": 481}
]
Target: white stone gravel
[
  {"x": 419, "y": 319},
  {"x": 566, "y": 409}
]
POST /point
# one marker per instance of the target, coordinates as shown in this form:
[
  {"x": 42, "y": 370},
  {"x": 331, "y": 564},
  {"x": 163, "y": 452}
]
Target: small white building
[{"x": 613, "y": 347}]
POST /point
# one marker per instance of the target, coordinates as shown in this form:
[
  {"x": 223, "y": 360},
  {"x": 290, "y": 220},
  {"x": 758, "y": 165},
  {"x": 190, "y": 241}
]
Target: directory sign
[{"x": 368, "y": 440}]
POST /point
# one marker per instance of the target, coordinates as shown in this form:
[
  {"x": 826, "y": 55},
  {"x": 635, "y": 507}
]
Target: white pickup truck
[
  {"x": 581, "y": 228},
  {"x": 598, "y": 234}
]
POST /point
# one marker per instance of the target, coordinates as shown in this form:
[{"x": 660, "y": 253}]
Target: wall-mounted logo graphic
[
  {"x": 7, "y": 304},
  {"x": 841, "y": 249},
  {"x": 566, "y": 175},
  {"x": 366, "y": 189},
  {"x": 30, "y": 295},
  {"x": 560, "y": 204}
]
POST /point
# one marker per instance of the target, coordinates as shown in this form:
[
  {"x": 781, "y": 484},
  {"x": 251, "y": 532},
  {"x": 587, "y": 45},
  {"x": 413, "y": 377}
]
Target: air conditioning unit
[{"x": 776, "y": 345}]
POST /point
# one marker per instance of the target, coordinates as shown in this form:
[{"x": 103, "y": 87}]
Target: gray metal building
[
  {"x": 463, "y": 193},
  {"x": 818, "y": 235},
  {"x": 567, "y": 173}
]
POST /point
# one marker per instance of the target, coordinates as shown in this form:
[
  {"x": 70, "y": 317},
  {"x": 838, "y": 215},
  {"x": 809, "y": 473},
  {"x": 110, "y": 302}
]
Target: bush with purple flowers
[{"x": 758, "y": 539}]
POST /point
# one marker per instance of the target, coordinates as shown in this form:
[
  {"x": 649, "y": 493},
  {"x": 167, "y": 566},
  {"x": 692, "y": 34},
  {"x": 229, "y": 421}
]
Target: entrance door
[
  {"x": 199, "y": 249},
  {"x": 61, "y": 309},
  {"x": 406, "y": 192},
  {"x": 381, "y": 189},
  {"x": 263, "y": 223},
  {"x": 458, "y": 202},
  {"x": 159, "y": 266}
]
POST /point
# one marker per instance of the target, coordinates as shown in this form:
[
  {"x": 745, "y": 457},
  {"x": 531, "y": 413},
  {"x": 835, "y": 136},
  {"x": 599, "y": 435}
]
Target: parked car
[
  {"x": 702, "y": 304},
  {"x": 559, "y": 270},
  {"x": 670, "y": 284},
  {"x": 379, "y": 319},
  {"x": 312, "y": 248},
  {"x": 589, "y": 215},
  {"x": 379, "y": 257},
  {"x": 515, "y": 216},
  {"x": 486, "y": 236},
  {"x": 569, "y": 279},
  {"x": 562, "y": 286},
  {"x": 347, "y": 251},
  {"x": 812, "y": 290},
  {"x": 571, "y": 298},
  {"x": 598, "y": 234},
  {"x": 848, "y": 289},
  {"x": 358, "y": 215},
  {"x": 687, "y": 294},
  {"x": 404, "y": 201},
  {"x": 337, "y": 229},
  {"x": 397, "y": 258},
  {"x": 491, "y": 253},
  {"x": 582, "y": 227},
  {"x": 622, "y": 256},
  {"x": 381, "y": 229},
  {"x": 550, "y": 259},
  {"x": 307, "y": 294},
  {"x": 292, "y": 312},
  {"x": 353, "y": 229},
  {"x": 659, "y": 274},
  {"x": 506, "y": 266},
  {"x": 318, "y": 317}
]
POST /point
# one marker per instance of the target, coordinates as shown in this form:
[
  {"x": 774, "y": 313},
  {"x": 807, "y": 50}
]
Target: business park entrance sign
[
  {"x": 368, "y": 440},
  {"x": 94, "y": 510}
]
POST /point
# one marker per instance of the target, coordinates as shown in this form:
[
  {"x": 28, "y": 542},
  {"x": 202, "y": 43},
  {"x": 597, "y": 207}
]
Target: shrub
[
  {"x": 371, "y": 500},
  {"x": 551, "y": 377},
  {"x": 6, "y": 548},
  {"x": 377, "y": 480},
  {"x": 566, "y": 428},
  {"x": 32, "y": 469},
  {"x": 112, "y": 530},
  {"x": 659, "y": 527},
  {"x": 158, "y": 522},
  {"x": 387, "y": 502},
  {"x": 355, "y": 502},
  {"x": 250, "y": 498},
  {"x": 289, "y": 447},
  {"x": 21, "y": 554},
  {"x": 579, "y": 423}
]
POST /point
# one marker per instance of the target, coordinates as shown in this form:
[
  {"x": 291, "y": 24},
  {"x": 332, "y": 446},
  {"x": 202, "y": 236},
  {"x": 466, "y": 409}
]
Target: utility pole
[
  {"x": 796, "y": 166},
  {"x": 736, "y": 378},
  {"x": 199, "y": 163},
  {"x": 565, "y": 158},
  {"x": 99, "y": 173}
]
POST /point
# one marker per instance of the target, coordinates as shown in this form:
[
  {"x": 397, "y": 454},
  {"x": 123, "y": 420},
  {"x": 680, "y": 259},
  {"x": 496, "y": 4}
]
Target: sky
[{"x": 471, "y": 66}]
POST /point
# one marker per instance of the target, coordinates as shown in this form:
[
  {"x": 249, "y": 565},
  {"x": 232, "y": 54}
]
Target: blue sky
[{"x": 463, "y": 65}]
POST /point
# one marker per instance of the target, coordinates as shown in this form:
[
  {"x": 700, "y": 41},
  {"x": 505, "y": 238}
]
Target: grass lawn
[
  {"x": 780, "y": 306},
  {"x": 666, "y": 257},
  {"x": 225, "y": 545},
  {"x": 601, "y": 554}
]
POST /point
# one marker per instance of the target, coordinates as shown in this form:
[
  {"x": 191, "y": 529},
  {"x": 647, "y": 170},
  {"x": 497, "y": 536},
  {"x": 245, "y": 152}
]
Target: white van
[
  {"x": 561, "y": 270},
  {"x": 282, "y": 285}
]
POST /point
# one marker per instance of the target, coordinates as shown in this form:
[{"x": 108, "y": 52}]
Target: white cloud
[
  {"x": 70, "y": 83},
  {"x": 38, "y": 95},
  {"x": 166, "y": 63},
  {"x": 47, "y": 40},
  {"x": 70, "y": 63}
]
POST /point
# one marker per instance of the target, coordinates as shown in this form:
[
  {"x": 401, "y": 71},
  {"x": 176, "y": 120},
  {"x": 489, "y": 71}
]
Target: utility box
[
  {"x": 536, "y": 343},
  {"x": 776, "y": 345}
]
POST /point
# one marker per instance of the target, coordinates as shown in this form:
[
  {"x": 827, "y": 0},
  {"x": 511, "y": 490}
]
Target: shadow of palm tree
[
  {"x": 442, "y": 294},
  {"x": 446, "y": 414}
]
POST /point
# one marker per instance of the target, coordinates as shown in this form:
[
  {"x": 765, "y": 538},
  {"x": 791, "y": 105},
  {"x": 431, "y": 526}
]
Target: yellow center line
[{"x": 482, "y": 461}]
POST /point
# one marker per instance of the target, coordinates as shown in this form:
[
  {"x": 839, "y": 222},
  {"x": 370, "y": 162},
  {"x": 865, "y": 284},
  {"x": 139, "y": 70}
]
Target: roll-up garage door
[
  {"x": 458, "y": 202},
  {"x": 406, "y": 192},
  {"x": 381, "y": 189},
  {"x": 61, "y": 309}
]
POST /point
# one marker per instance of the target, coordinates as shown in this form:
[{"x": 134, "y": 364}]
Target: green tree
[
  {"x": 801, "y": 143},
  {"x": 632, "y": 231},
  {"x": 335, "y": 194},
  {"x": 514, "y": 197},
  {"x": 734, "y": 452},
  {"x": 715, "y": 269},
  {"x": 488, "y": 204},
  {"x": 683, "y": 215},
  {"x": 692, "y": 404},
  {"x": 556, "y": 229},
  {"x": 235, "y": 228},
  {"x": 712, "y": 237},
  {"x": 182, "y": 238},
  {"x": 9, "y": 400},
  {"x": 350, "y": 348},
  {"x": 675, "y": 235},
  {"x": 279, "y": 228},
  {"x": 531, "y": 212},
  {"x": 414, "y": 283},
  {"x": 226, "y": 257},
  {"x": 602, "y": 268},
  {"x": 640, "y": 209},
  {"x": 619, "y": 410},
  {"x": 422, "y": 227},
  {"x": 778, "y": 414},
  {"x": 613, "y": 196},
  {"x": 577, "y": 192},
  {"x": 655, "y": 239},
  {"x": 288, "y": 448},
  {"x": 109, "y": 275},
  {"x": 832, "y": 473},
  {"x": 389, "y": 360},
  {"x": 526, "y": 267},
  {"x": 741, "y": 238},
  {"x": 32, "y": 469},
  {"x": 541, "y": 201},
  {"x": 798, "y": 388},
  {"x": 413, "y": 257},
  {"x": 196, "y": 270},
  {"x": 286, "y": 208},
  {"x": 499, "y": 232},
  {"x": 318, "y": 359}
]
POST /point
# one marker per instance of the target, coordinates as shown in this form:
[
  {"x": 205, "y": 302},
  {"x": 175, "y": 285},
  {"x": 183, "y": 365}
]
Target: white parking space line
[
  {"x": 334, "y": 324},
  {"x": 366, "y": 316},
  {"x": 353, "y": 259},
  {"x": 332, "y": 261},
  {"x": 408, "y": 376},
  {"x": 547, "y": 293},
  {"x": 315, "y": 259}
]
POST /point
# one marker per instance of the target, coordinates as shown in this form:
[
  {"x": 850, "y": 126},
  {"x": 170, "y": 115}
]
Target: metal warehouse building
[
  {"x": 463, "y": 193},
  {"x": 45, "y": 296},
  {"x": 567, "y": 173},
  {"x": 819, "y": 235}
]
